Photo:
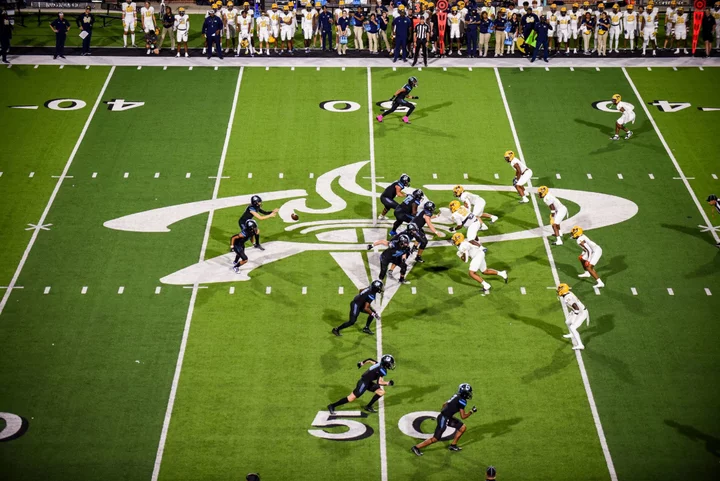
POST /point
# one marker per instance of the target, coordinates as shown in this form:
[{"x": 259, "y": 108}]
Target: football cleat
[
  {"x": 615, "y": 137},
  {"x": 567, "y": 336},
  {"x": 258, "y": 246},
  {"x": 379, "y": 118},
  {"x": 416, "y": 451},
  {"x": 331, "y": 409},
  {"x": 367, "y": 330},
  {"x": 454, "y": 447},
  {"x": 402, "y": 280},
  {"x": 419, "y": 259},
  {"x": 629, "y": 134},
  {"x": 336, "y": 332},
  {"x": 406, "y": 119},
  {"x": 369, "y": 408}
]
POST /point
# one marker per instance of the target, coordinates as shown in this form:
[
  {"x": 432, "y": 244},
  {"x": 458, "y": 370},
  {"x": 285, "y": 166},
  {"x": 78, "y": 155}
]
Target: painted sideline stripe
[
  {"x": 672, "y": 157},
  {"x": 55, "y": 191},
  {"x": 195, "y": 287},
  {"x": 373, "y": 187},
  {"x": 556, "y": 278}
]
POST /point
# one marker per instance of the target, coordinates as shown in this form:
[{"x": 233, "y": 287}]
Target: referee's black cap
[
  {"x": 712, "y": 197},
  {"x": 490, "y": 473}
]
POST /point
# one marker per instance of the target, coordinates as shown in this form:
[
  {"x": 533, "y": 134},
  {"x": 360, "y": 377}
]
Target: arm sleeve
[{"x": 264, "y": 212}]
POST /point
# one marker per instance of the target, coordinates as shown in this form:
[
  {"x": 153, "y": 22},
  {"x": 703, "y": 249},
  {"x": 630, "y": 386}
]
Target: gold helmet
[
  {"x": 454, "y": 206},
  {"x": 244, "y": 43},
  {"x": 542, "y": 191},
  {"x": 586, "y": 4},
  {"x": 601, "y": 5},
  {"x": 457, "y": 238},
  {"x": 630, "y": 7},
  {"x": 286, "y": 8},
  {"x": 563, "y": 9},
  {"x": 680, "y": 9},
  {"x": 553, "y": 6},
  {"x": 616, "y": 7},
  {"x": 274, "y": 5},
  {"x": 616, "y": 99},
  {"x": 230, "y": 4},
  {"x": 673, "y": 3},
  {"x": 575, "y": 5},
  {"x": 509, "y": 155},
  {"x": 271, "y": 39},
  {"x": 576, "y": 232},
  {"x": 181, "y": 10},
  {"x": 563, "y": 289},
  {"x": 458, "y": 190}
]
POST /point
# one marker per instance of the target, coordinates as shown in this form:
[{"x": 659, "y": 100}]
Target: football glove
[
  {"x": 515, "y": 181},
  {"x": 452, "y": 229},
  {"x": 359, "y": 365},
  {"x": 369, "y": 247},
  {"x": 416, "y": 97},
  {"x": 376, "y": 315},
  {"x": 391, "y": 383},
  {"x": 474, "y": 409}
]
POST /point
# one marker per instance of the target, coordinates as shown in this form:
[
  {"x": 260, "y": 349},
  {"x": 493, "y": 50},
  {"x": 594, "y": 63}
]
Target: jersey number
[
  {"x": 665, "y": 106},
  {"x": 118, "y": 105}
]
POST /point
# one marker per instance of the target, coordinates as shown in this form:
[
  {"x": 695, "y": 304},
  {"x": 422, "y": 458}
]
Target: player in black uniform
[
  {"x": 454, "y": 405},
  {"x": 362, "y": 303},
  {"x": 420, "y": 220},
  {"x": 371, "y": 380},
  {"x": 398, "y": 100},
  {"x": 397, "y": 252},
  {"x": 254, "y": 210},
  {"x": 406, "y": 211},
  {"x": 237, "y": 243},
  {"x": 391, "y": 191}
]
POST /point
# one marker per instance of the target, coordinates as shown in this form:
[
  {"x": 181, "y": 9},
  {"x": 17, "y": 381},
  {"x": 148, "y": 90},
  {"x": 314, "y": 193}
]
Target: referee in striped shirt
[{"x": 422, "y": 37}]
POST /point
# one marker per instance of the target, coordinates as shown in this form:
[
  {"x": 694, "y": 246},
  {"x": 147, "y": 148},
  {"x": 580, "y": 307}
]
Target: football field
[{"x": 130, "y": 350}]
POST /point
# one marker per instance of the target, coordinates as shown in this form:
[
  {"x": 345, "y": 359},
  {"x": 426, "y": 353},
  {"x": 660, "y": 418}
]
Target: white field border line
[
  {"x": 672, "y": 157},
  {"x": 55, "y": 191},
  {"x": 195, "y": 287},
  {"x": 378, "y": 322},
  {"x": 371, "y": 129},
  {"x": 556, "y": 278}
]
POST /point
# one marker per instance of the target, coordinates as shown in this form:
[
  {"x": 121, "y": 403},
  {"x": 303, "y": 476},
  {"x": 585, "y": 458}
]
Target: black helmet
[
  {"x": 403, "y": 240},
  {"x": 251, "y": 225},
  {"x": 387, "y": 361},
  {"x": 413, "y": 81},
  {"x": 712, "y": 197},
  {"x": 465, "y": 391},
  {"x": 429, "y": 207},
  {"x": 256, "y": 201},
  {"x": 377, "y": 286},
  {"x": 405, "y": 180},
  {"x": 418, "y": 194},
  {"x": 412, "y": 227}
]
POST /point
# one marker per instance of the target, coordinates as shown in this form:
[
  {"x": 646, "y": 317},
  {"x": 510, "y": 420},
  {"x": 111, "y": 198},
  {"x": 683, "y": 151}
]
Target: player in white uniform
[
  {"x": 577, "y": 314},
  {"x": 473, "y": 251},
  {"x": 263, "y": 32},
  {"x": 715, "y": 204},
  {"x": 563, "y": 31},
  {"x": 309, "y": 17},
  {"x": 649, "y": 30},
  {"x": 615, "y": 18},
  {"x": 286, "y": 29},
  {"x": 558, "y": 212},
  {"x": 552, "y": 20},
  {"x": 486, "y": 8},
  {"x": 230, "y": 20},
  {"x": 716, "y": 15},
  {"x": 669, "y": 25},
  {"x": 630, "y": 21},
  {"x": 147, "y": 13},
  {"x": 245, "y": 27},
  {"x": 129, "y": 13},
  {"x": 598, "y": 13},
  {"x": 274, "y": 16},
  {"x": 474, "y": 203},
  {"x": 628, "y": 117},
  {"x": 679, "y": 22},
  {"x": 182, "y": 27},
  {"x": 453, "y": 20},
  {"x": 522, "y": 175},
  {"x": 462, "y": 217},
  {"x": 537, "y": 10},
  {"x": 590, "y": 257},
  {"x": 575, "y": 16}
]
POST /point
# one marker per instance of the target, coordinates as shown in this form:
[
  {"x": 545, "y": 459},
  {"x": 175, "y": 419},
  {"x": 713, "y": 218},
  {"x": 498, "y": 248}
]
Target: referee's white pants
[{"x": 574, "y": 321}]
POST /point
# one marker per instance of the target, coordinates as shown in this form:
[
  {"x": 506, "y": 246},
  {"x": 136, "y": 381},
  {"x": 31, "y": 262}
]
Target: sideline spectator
[
  {"x": 372, "y": 33},
  {"x": 343, "y": 29},
  {"x": 602, "y": 30},
  {"x": 6, "y": 29},
  {"x": 359, "y": 18},
  {"x": 85, "y": 24},
  {"x": 542, "y": 30},
  {"x": 514, "y": 32},
  {"x": 708, "y": 25},
  {"x": 382, "y": 29},
  {"x": 168, "y": 22},
  {"x": 212, "y": 31},
  {"x": 587, "y": 27},
  {"x": 501, "y": 23},
  {"x": 401, "y": 25},
  {"x": 472, "y": 21},
  {"x": 484, "y": 26},
  {"x": 326, "y": 20},
  {"x": 61, "y": 27}
]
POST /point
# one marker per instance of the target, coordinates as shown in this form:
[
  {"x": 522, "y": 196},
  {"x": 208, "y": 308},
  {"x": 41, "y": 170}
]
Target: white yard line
[
  {"x": 371, "y": 129},
  {"x": 378, "y": 322},
  {"x": 672, "y": 157},
  {"x": 195, "y": 287},
  {"x": 556, "y": 278},
  {"x": 55, "y": 191}
]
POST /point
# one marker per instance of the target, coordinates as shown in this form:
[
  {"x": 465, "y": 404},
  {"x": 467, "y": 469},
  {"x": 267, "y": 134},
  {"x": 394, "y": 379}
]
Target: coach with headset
[{"x": 422, "y": 37}]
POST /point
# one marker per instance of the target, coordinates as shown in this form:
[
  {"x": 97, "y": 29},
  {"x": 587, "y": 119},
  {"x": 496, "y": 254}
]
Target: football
[{"x": 294, "y": 216}]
